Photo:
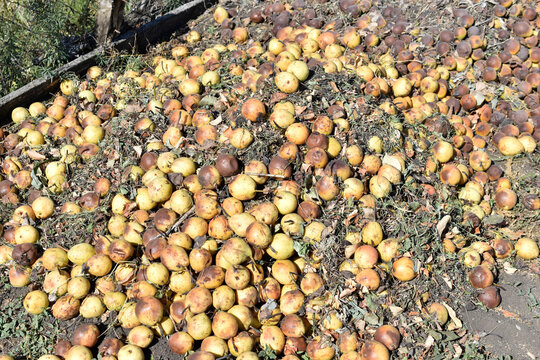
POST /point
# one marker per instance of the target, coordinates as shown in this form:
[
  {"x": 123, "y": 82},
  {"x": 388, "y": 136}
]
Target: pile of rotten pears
[{"x": 204, "y": 250}]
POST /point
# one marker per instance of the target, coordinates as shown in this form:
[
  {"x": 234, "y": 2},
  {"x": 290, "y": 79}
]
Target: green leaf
[
  {"x": 36, "y": 183},
  {"x": 450, "y": 336},
  {"x": 435, "y": 334},
  {"x": 302, "y": 248}
]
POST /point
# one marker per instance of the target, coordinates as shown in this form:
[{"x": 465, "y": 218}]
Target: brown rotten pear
[
  {"x": 372, "y": 349},
  {"x": 480, "y": 277},
  {"x": 253, "y": 110},
  {"x": 490, "y": 297},
  {"x": 389, "y": 336},
  {"x": 227, "y": 165},
  {"x": 181, "y": 342},
  {"x": 327, "y": 188},
  {"x": 505, "y": 199},
  {"x": 86, "y": 335},
  {"x": 25, "y": 254},
  {"x": 280, "y": 167}
]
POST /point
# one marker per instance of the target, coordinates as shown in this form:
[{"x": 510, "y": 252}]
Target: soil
[{"x": 512, "y": 329}]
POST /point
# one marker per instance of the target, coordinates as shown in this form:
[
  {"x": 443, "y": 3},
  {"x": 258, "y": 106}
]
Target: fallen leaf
[
  {"x": 513, "y": 235},
  {"x": 327, "y": 231},
  {"x": 350, "y": 250},
  {"x": 133, "y": 108},
  {"x": 447, "y": 280},
  {"x": 350, "y": 217},
  {"x": 207, "y": 101},
  {"x": 55, "y": 152},
  {"x": 508, "y": 314},
  {"x": 429, "y": 342},
  {"x": 393, "y": 161},
  {"x": 128, "y": 208},
  {"x": 509, "y": 269},
  {"x": 458, "y": 351},
  {"x": 441, "y": 225},
  {"x": 396, "y": 310},
  {"x": 347, "y": 292},
  {"x": 299, "y": 109},
  {"x": 34, "y": 155},
  {"x": 453, "y": 316},
  {"x": 494, "y": 220},
  {"x": 224, "y": 99},
  {"x": 369, "y": 213},
  {"x": 360, "y": 325},
  {"x": 478, "y": 96},
  {"x": 371, "y": 319},
  {"x": 277, "y": 97},
  {"x": 216, "y": 121},
  {"x": 138, "y": 150}
]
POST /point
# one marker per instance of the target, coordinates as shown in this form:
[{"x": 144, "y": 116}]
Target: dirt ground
[{"x": 511, "y": 330}]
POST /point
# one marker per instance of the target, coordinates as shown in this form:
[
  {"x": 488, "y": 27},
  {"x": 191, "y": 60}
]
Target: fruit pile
[{"x": 240, "y": 183}]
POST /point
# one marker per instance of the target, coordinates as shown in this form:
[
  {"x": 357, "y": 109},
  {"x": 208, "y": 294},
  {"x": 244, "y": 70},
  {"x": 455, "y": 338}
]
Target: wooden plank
[
  {"x": 108, "y": 19},
  {"x": 152, "y": 33},
  {"x": 44, "y": 86},
  {"x": 177, "y": 19}
]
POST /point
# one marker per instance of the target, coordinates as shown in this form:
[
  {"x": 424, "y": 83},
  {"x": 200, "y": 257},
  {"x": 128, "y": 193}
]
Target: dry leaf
[
  {"x": 447, "y": 280},
  {"x": 128, "y": 208},
  {"x": 334, "y": 86},
  {"x": 509, "y": 269},
  {"x": 327, "y": 231},
  {"x": 350, "y": 250},
  {"x": 34, "y": 155},
  {"x": 55, "y": 152},
  {"x": 441, "y": 225},
  {"x": 360, "y": 325},
  {"x": 347, "y": 292},
  {"x": 133, "y": 108},
  {"x": 429, "y": 342},
  {"x": 216, "y": 121},
  {"x": 224, "y": 99},
  {"x": 299, "y": 109},
  {"x": 453, "y": 316},
  {"x": 458, "y": 351},
  {"x": 369, "y": 213},
  {"x": 277, "y": 97},
  {"x": 393, "y": 161},
  {"x": 513, "y": 235},
  {"x": 396, "y": 310},
  {"x": 350, "y": 217},
  {"x": 138, "y": 150}
]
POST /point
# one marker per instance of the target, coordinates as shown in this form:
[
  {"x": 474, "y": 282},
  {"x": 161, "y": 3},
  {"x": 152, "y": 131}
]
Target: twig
[
  {"x": 266, "y": 175},
  {"x": 181, "y": 220}
]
